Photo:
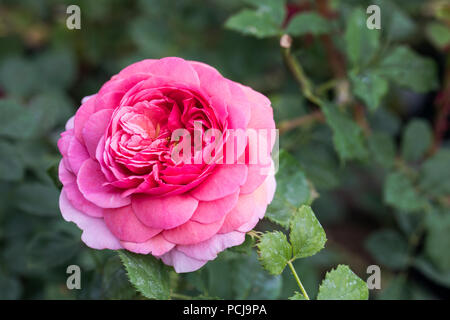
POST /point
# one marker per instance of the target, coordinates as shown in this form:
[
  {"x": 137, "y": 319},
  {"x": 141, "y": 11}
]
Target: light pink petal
[
  {"x": 239, "y": 108},
  {"x": 124, "y": 225},
  {"x": 82, "y": 115},
  {"x": 208, "y": 250},
  {"x": 91, "y": 182},
  {"x": 241, "y": 213},
  {"x": 256, "y": 176},
  {"x": 157, "y": 246},
  {"x": 164, "y": 212},
  {"x": 181, "y": 262},
  {"x": 95, "y": 128},
  {"x": 138, "y": 67},
  {"x": 76, "y": 155},
  {"x": 95, "y": 233},
  {"x": 192, "y": 232},
  {"x": 211, "y": 211},
  {"x": 174, "y": 68},
  {"x": 70, "y": 123},
  {"x": 225, "y": 180},
  {"x": 85, "y": 99}
]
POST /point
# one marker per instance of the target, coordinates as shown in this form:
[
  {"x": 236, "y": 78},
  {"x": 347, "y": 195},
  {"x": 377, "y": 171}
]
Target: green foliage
[
  {"x": 369, "y": 87},
  {"x": 264, "y": 21},
  {"x": 382, "y": 149},
  {"x": 408, "y": 69},
  {"x": 307, "y": 235},
  {"x": 417, "y": 139},
  {"x": 435, "y": 174},
  {"x": 348, "y": 137},
  {"x": 400, "y": 192},
  {"x": 389, "y": 248},
  {"x": 149, "y": 275},
  {"x": 361, "y": 42},
  {"x": 274, "y": 251},
  {"x": 342, "y": 284},
  {"x": 309, "y": 22},
  {"x": 292, "y": 191}
]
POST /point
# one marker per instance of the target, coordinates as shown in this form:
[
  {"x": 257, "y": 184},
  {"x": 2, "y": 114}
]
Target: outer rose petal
[
  {"x": 157, "y": 246},
  {"x": 74, "y": 195},
  {"x": 95, "y": 128},
  {"x": 124, "y": 225},
  {"x": 181, "y": 262},
  {"x": 95, "y": 233},
  {"x": 174, "y": 68},
  {"x": 208, "y": 250},
  {"x": 90, "y": 180},
  {"x": 76, "y": 155},
  {"x": 165, "y": 212},
  {"x": 240, "y": 214}
]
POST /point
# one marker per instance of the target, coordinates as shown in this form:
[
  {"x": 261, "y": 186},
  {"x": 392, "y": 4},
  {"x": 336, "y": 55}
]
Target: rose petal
[
  {"x": 181, "y": 262},
  {"x": 208, "y": 250},
  {"x": 91, "y": 182},
  {"x": 211, "y": 211},
  {"x": 157, "y": 246},
  {"x": 124, "y": 225},
  {"x": 95, "y": 128},
  {"x": 192, "y": 232},
  {"x": 95, "y": 233},
  {"x": 225, "y": 180},
  {"x": 165, "y": 212}
]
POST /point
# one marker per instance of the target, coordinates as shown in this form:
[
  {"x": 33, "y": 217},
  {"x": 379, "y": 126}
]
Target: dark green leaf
[
  {"x": 435, "y": 174},
  {"x": 439, "y": 34},
  {"x": 115, "y": 281},
  {"x": 297, "y": 296},
  {"x": 369, "y": 87},
  {"x": 255, "y": 23},
  {"x": 307, "y": 236},
  {"x": 274, "y": 251},
  {"x": 11, "y": 165},
  {"x": 410, "y": 70},
  {"x": 16, "y": 121},
  {"x": 342, "y": 284},
  {"x": 389, "y": 248},
  {"x": 348, "y": 137},
  {"x": 361, "y": 42},
  {"x": 417, "y": 139},
  {"x": 275, "y": 8},
  {"x": 437, "y": 241},
  {"x": 292, "y": 190},
  {"x": 308, "y": 22},
  {"x": 149, "y": 275},
  {"x": 382, "y": 148},
  {"x": 400, "y": 193},
  {"x": 37, "y": 198}
]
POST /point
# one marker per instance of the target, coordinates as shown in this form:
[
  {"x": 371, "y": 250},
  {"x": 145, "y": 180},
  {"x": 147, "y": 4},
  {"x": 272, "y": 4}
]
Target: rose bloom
[{"x": 121, "y": 185}]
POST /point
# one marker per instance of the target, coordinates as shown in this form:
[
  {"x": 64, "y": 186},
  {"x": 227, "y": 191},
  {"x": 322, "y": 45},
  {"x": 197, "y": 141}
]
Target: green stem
[
  {"x": 299, "y": 75},
  {"x": 298, "y": 280}
]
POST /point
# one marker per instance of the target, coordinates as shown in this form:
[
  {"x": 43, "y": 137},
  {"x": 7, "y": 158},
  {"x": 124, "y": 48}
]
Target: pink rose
[{"x": 124, "y": 188}]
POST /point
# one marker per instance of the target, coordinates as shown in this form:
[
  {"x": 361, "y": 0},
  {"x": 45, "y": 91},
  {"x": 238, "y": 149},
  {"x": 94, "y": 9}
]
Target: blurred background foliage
[{"x": 382, "y": 201}]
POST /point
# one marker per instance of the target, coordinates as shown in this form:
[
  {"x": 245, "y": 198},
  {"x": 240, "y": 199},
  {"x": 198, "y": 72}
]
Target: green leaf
[
  {"x": 429, "y": 270},
  {"x": 416, "y": 140},
  {"x": 389, "y": 248},
  {"x": 18, "y": 77},
  {"x": 369, "y": 87},
  {"x": 342, "y": 284},
  {"x": 348, "y": 137},
  {"x": 435, "y": 174},
  {"x": 292, "y": 190},
  {"x": 410, "y": 70},
  {"x": 256, "y": 23},
  {"x": 361, "y": 42},
  {"x": 382, "y": 148},
  {"x": 149, "y": 275},
  {"x": 400, "y": 193},
  {"x": 307, "y": 236},
  {"x": 11, "y": 287},
  {"x": 308, "y": 22},
  {"x": 297, "y": 296},
  {"x": 16, "y": 121},
  {"x": 395, "y": 22},
  {"x": 11, "y": 166},
  {"x": 439, "y": 34},
  {"x": 115, "y": 283},
  {"x": 37, "y": 198},
  {"x": 437, "y": 241},
  {"x": 56, "y": 69},
  {"x": 275, "y": 8},
  {"x": 50, "y": 249},
  {"x": 274, "y": 251}
]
